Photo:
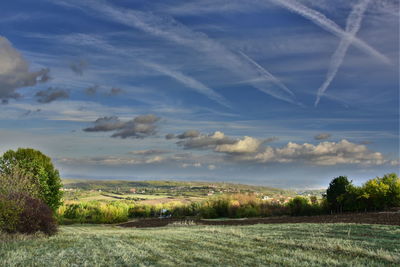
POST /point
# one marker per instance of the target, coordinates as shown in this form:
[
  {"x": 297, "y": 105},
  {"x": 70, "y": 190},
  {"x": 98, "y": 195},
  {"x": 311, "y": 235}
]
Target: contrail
[
  {"x": 168, "y": 28},
  {"x": 190, "y": 82},
  {"x": 329, "y": 25},
  {"x": 267, "y": 73},
  {"x": 352, "y": 26}
]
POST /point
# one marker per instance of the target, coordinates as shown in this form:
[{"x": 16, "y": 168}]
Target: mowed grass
[{"x": 256, "y": 245}]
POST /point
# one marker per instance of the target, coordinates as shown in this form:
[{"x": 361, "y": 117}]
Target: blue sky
[{"x": 286, "y": 93}]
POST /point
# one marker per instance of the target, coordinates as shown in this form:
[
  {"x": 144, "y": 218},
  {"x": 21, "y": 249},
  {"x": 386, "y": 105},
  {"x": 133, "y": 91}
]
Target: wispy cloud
[
  {"x": 91, "y": 90},
  {"x": 79, "y": 66},
  {"x": 51, "y": 94},
  {"x": 182, "y": 78},
  {"x": 353, "y": 24},
  {"x": 330, "y": 26},
  {"x": 322, "y": 136},
  {"x": 189, "y": 82},
  {"x": 267, "y": 74},
  {"x": 168, "y": 28}
]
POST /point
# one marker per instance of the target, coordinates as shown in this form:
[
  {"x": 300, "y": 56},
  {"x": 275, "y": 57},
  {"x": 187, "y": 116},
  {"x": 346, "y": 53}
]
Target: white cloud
[
  {"x": 325, "y": 153},
  {"x": 206, "y": 141},
  {"x": 246, "y": 145},
  {"x": 211, "y": 167}
]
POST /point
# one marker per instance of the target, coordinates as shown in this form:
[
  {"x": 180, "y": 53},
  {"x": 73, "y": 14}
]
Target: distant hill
[{"x": 171, "y": 187}]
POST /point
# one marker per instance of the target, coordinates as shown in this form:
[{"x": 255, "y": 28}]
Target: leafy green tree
[
  {"x": 382, "y": 193},
  {"x": 354, "y": 199},
  {"x": 40, "y": 168},
  {"x": 299, "y": 206},
  {"x": 393, "y": 194},
  {"x": 336, "y": 192}
]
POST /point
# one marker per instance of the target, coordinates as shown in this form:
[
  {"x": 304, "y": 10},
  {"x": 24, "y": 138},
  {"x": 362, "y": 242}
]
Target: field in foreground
[{"x": 255, "y": 245}]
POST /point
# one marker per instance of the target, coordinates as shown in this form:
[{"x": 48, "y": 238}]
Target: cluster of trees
[
  {"x": 29, "y": 192},
  {"x": 376, "y": 194}
]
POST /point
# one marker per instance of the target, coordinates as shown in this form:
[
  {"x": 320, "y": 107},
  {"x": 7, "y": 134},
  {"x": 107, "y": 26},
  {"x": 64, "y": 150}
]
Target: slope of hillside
[{"x": 256, "y": 245}]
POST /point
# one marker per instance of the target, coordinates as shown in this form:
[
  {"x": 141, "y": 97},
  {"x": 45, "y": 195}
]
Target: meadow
[{"x": 191, "y": 245}]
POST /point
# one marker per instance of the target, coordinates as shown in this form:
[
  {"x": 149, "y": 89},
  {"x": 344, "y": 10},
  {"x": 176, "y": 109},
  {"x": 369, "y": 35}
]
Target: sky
[{"x": 284, "y": 93}]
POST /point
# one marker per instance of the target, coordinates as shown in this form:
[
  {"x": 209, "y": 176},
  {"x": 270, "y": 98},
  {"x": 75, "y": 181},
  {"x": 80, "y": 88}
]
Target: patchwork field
[{"x": 191, "y": 245}]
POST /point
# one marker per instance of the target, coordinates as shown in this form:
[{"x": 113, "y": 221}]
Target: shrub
[
  {"x": 140, "y": 211},
  {"x": 41, "y": 170},
  {"x": 13, "y": 187},
  {"x": 93, "y": 212},
  {"x": 36, "y": 216},
  {"x": 299, "y": 206},
  {"x": 9, "y": 213}
]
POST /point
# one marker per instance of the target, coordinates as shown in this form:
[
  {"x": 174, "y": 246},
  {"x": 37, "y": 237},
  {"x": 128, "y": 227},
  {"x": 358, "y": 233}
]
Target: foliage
[
  {"x": 41, "y": 170},
  {"x": 375, "y": 194},
  {"x": 382, "y": 193},
  {"x": 12, "y": 186},
  {"x": 35, "y": 216},
  {"x": 336, "y": 191},
  {"x": 300, "y": 206},
  {"x": 93, "y": 212}
]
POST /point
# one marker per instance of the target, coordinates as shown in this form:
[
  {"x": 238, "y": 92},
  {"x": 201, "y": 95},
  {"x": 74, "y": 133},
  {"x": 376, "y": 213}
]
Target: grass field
[{"x": 256, "y": 245}]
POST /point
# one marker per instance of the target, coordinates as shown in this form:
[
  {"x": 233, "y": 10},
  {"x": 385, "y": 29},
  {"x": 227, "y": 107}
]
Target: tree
[
  {"x": 299, "y": 206},
  {"x": 336, "y": 192},
  {"x": 40, "y": 168},
  {"x": 384, "y": 192},
  {"x": 393, "y": 195}
]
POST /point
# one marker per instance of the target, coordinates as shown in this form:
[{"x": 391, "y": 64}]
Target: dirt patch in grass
[{"x": 385, "y": 218}]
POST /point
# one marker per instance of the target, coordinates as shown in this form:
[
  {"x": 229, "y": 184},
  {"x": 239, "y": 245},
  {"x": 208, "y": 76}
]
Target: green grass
[{"x": 256, "y": 245}]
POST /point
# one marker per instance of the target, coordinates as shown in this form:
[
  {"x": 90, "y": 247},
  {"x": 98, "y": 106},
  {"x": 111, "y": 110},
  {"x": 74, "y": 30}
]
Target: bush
[
  {"x": 40, "y": 169},
  {"x": 298, "y": 206},
  {"x": 93, "y": 212},
  {"x": 36, "y": 216},
  {"x": 301, "y": 206},
  {"x": 14, "y": 186},
  {"x": 9, "y": 213}
]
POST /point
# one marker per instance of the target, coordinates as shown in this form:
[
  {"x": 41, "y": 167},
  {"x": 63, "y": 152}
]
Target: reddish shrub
[{"x": 35, "y": 216}]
